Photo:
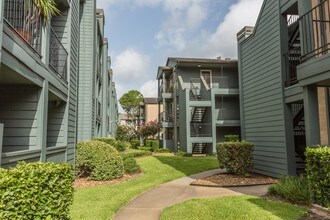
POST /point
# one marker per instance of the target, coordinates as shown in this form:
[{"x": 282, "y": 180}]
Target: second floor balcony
[{"x": 22, "y": 19}]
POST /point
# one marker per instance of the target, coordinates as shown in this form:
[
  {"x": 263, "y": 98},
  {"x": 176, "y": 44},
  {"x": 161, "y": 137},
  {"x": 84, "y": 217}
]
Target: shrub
[
  {"x": 36, "y": 191},
  {"x": 122, "y": 146},
  {"x": 318, "y": 174},
  {"x": 153, "y": 144},
  {"x": 235, "y": 157},
  {"x": 162, "y": 150},
  {"x": 110, "y": 141},
  {"x": 135, "y": 153},
  {"x": 294, "y": 189},
  {"x": 98, "y": 160},
  {"x": 131, "y": 166},
  {"x": 135, "y": 144},
  {"x": 182, "y": 154},
  {"x": 231, "y": 138}
]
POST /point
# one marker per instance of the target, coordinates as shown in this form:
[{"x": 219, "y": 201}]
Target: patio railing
[
  {"x": 58, "y": 56},
  {"x": 21, "y": 17}
]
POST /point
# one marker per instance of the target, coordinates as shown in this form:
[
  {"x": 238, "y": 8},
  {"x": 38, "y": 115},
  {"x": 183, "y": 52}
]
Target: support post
[{"x": 43, "y": 120}]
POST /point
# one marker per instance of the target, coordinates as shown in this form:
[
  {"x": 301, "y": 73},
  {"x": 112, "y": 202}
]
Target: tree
[
  {"x": 149, "y": 129},
  {"x": 125, "y": 133},
  {"x": 130, "y": 102}
]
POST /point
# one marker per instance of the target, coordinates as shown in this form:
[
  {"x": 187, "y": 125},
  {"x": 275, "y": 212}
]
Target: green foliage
[
  {"x": 162, "y": 150},
  {"x": 36, "y": 191},
  {"x": 131, "y": 166},
  {"x": 183, "y": 154},
  {"x": 98, "y": 160},
  {"x": 135, "y": 153},
  {"x": 235, "y": 157},
  {"x": 152, "y": 144},
  {"x": 130, "y": 102},
  {"x": 293, "y": 189},
  {"x": 46, "y": 8},
  {"x": 122, "y": 145},
  {"x": 149, "y": 130},
  {"x": 110, "y": 141},
  {"x": 135, "y": 143},
  {"x": 231, "y": 138},
  {"x": 145, "y": 148},
  {"x": 125, "y": 133},
  {"x": 318, "y": 174}
]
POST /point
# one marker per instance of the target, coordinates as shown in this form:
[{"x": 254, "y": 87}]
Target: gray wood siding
[
  {"x": 18, "y": 113},
  {"x": 263, "y": 93},
  {"x": 87, "y": 51},
  {"x": 73, "y": 80},
  {"x": 55, "y": 127}
]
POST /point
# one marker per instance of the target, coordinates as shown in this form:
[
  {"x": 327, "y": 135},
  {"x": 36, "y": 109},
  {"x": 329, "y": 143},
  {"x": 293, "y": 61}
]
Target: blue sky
[{"x": 143, "y": 33}]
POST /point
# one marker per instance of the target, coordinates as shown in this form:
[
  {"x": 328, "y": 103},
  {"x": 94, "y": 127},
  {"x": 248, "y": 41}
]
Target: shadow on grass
[
  {"x": 281, "y": 210},
  {"x": 189, "y": 165}
]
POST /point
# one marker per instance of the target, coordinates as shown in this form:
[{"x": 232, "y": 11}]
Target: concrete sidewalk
[{"x": 148, "y": 205}]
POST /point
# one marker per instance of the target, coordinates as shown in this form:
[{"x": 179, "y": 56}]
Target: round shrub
[
  {"x": 122, "y": 146},
  {"x": 110, "y": 141},
  {"x": 99, "y": 161},
  {"x": 135, "y": 144},
  {"x": 131, "y": 166}
]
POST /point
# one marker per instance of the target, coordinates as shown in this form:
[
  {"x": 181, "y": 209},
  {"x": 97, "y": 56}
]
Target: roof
[
  {"x": 150, "y": 101},
  {"x": 218, "y": 60}
]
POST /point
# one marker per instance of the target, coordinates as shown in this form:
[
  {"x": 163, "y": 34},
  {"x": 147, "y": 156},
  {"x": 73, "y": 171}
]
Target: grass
[
  {"x": 294, "y": 189},
  {"x": 104, "y": 201},
  {"x": 232, "y": 207}
]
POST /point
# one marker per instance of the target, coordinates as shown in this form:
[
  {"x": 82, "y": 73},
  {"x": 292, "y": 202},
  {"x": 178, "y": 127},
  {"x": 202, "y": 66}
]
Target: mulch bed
[
  {"x": 229, "y": 180},
  {"x": 84, "y": 182}
]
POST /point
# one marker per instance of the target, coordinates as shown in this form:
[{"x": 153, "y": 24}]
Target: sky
[{"x": 142, "y": 34}]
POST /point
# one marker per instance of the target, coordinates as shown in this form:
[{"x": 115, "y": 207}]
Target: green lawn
[
  {"x": 103, "y": 202},
  {"x": 233, "y": 207}
]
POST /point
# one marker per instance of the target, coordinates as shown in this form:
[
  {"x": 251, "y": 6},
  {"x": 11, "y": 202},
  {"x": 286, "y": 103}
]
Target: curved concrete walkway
[{"x": 149, "y": 205}]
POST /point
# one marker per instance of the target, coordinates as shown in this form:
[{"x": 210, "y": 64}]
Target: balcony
[
  {"x": 58, "y": 56},
  {"x": 166, "y": 119},
  {"x": 224, "y": 83},
  {"x": 21, "y": 18}
]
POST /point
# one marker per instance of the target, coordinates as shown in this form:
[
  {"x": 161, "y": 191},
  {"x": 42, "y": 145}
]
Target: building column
[
  {"x": 312, "y": 124},
  {"x": 43, "y": 120}
]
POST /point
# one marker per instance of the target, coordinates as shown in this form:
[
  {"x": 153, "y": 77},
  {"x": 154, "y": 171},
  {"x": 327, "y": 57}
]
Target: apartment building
[
  {"x": 200, "y": 99},
  {"x": 97, "y": 95},
  {"x": 49, "y": 70},
  {"x": 149, "y": 110},
  {"x": 284, "y": 74},
  {"x": 38, "y": 82}
]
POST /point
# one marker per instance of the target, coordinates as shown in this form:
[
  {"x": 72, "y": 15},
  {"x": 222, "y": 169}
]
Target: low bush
[
  {"x": 153, "y": 144},
  {"x": 293, "y": 189},
  {"x": 131, "y": 166},
  {"x": 235, "y": 157},
  {"x": 110, "y": 141},
  {"x": 135, "y": 144},
  {"x": 183, "y": 154},
  {"x": 162, "y": 150},
  {"x": 98, "y": 160},
  {"x": 36, "y": 191},
  {"x": 122, "y": 146},
  {"x": 231, "y": 138},
  {"x": 318, "y": 174},
  {"x": 145, "y": 148},
  {"x": 135, "y": 153}
]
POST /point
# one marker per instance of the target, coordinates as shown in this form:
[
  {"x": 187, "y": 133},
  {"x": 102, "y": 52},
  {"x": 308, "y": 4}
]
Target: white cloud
[
  {"x": 150, "y": 88},
  {"x": 130, "y": 65}
]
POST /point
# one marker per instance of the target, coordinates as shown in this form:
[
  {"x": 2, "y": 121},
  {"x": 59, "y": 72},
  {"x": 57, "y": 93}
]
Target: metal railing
[
  {"x": 58, "y": 56},
  {"x": 22, "y": 18},
  {"x": 223, "y": 82},
  {"x": 194, "y": 89},
  {"x": 316, "y": 31},
  {"x": 201, "y": 130},
  {"x": 292, "y": 60},
  {"x": 166, "y": 117}
]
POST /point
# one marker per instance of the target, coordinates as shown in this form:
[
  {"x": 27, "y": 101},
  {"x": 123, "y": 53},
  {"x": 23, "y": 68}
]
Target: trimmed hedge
[
  {"x": 99, "y": 161},
  {"x": 131, "y": 166},
  {"x": 122, "y": 146},
  {"x": 110, "y": 141},
  {"x": 135, "y": 153},
  {"x": 231, "y": 138},
  {"x": 318, "y": 174},
  {"x": 153, "y": 144},
  {"x": 235, "y": 157},
  {"x": 162, "y": 150},
  {"x": 36, "y": 191},
  {"x": 145, "y": 148},
  {"x": 135, "y": 144}
]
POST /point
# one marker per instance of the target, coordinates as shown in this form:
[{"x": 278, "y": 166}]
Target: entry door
[{"x": 207, "y": 75}]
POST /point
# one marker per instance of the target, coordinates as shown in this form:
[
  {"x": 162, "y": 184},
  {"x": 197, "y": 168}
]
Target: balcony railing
[
  {"x": 195, "y": 92},
  {"x": 58, "y": 55},
  {"x": 223, "y": 83},
  {"x": 166, "y": 117},
  {"x": 201, "y": 130},
  {"x": 22, "y": 18},
  {"x": 292, "y": 60},
  {"x": 316, "y": 31}
]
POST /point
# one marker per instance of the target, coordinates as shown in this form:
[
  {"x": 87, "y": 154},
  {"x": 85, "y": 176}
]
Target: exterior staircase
[
  {"x": 198, "y": 148},
  {"x": 198, "y": 114},
  {"x": 299, "y": 136}
]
